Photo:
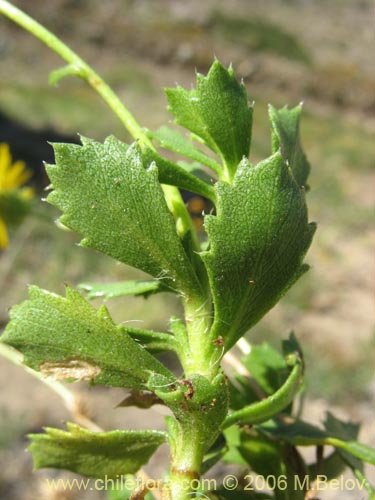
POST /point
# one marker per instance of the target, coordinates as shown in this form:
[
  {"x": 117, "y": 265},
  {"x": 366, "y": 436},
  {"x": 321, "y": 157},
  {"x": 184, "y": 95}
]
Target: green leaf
[
  {"x": 258, "y": 239},
  {"x": 267, "y": 366},
  {"x": 279, "y": 462},
  {"x": 112, "y": 290},
  {"x": 196, "y": 169},
  {"x": 218, "y": 112},
  {"x": 94, "y": 454},
  {"x": 233, "y": 438},
  {"x": 338, "y": 428},
  {"x": 263, "y": 456},
  {"x": 300, "y": 433},
  {"x": 176, "y": 175},
  {"x": 214, "y": 454},
  {"x": 362, "y": 481},
  {"x": 115, "y": 201},
  {"x": 274, "y": 404},
  {"x": 174, "y": 141},
  {"x": 286, "y": 137},
  {"x": 241, "y": 392},
  {"x": 154, "y": 342},
  {"x": 67, "y": 338},
  {"x": 169, "y": 172}
]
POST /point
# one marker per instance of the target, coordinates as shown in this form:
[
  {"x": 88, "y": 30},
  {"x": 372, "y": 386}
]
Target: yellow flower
[{"x": 12, "y": 177}]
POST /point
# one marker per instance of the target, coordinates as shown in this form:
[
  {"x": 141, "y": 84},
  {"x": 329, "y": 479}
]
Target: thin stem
[
  {"x": 69, "y": 399},
  {"x": 78, "y": 67}
]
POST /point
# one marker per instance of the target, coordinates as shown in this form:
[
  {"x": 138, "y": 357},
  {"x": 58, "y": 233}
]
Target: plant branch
[
  {"x": 78, "y": 67},
  {"x": 74, "y": 404}
]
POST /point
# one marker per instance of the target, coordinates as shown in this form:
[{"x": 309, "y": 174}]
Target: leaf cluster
[{"x": 114, "y": 196}]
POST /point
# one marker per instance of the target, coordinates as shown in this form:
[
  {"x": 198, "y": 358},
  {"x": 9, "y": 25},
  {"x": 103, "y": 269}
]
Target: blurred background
[{"x": 286, "y": 51}]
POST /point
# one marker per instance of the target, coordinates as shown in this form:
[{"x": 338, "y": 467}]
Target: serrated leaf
[
  {"x": 66, "y": 338},
  {"x": 338, "y": 428},
  {"x": 121, "y": 288},
  {"x": 258, "y": 239},
  {"x": 94, "y": 454},
  {"x": 286, "y": 137},
  {"x": 115, "y": 201},
  {"x": 218, "y": 112},
  {"x": 171, "y": 173},
  {"x": 174, "y": 141}
]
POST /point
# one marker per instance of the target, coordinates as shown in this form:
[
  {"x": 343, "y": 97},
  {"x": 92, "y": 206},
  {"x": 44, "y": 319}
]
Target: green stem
[
  {"x": 185, "y": 466},
  {"x": 78, "y": 67},
  {"x": 203, "y": 357}
]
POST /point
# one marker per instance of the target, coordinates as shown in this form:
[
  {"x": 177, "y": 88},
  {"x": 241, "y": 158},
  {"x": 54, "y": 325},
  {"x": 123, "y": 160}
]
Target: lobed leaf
[
  {"x": 217, "y": 112},
  {"x": 286, "y": 138},
  {"x": 108, "y": 195},
  {"x": 94, "y": 454},
  {"x": 169, "y": 172},
  {"x": 258, "y": 239},
  {"x": 66, "y": 338}
]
